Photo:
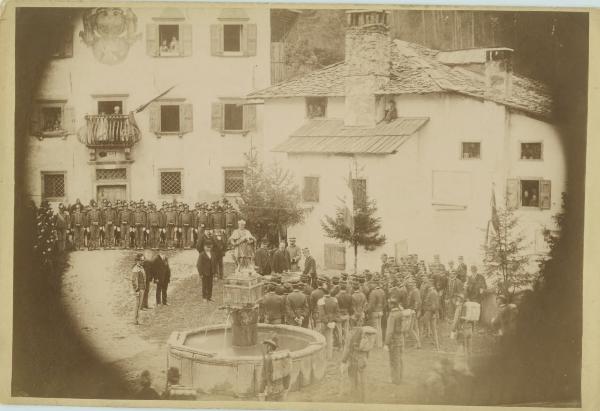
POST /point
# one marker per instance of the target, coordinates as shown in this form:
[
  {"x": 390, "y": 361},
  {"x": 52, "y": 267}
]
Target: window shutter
[
  {"x": 545, "y": 189},
  {"x": 68, "y": 120},
  {"x": 35, "y": 119},
  {"x": 186, "y": 118},
  {"x": 512, "y": 193},
  {"x": 216, "y": 39},
  {"x": 250, "y": 37},
  {"x": 216, "y": 119},
  {"x": 249, "y": 117},
  {"x": 67, "y": 44},
  {"x": 152, "y": 39},
  {"x": 155, "y": 118},
  {"x": 186, "y": 39}
]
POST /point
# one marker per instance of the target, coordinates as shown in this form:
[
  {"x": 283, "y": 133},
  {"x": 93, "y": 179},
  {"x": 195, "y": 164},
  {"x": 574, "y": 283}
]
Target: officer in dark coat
[
  {"x": 162, "y": 277},
  {"x": 310, "y": 267},
  {"x": 273, "y": 306},
  {"x": 262, "y": 259},
  {"x": 296, "y": 307},
  {"x": 281, "y": 259}
]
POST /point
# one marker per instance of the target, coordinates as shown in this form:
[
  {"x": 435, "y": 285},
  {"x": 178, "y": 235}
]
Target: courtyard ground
[{"x": 97, "y": 293}]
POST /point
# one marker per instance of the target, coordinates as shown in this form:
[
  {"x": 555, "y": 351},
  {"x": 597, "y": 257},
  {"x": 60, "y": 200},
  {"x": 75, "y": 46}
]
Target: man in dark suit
[
  {"x": 281, "y": 259},
  {"x": 207, "y": 268},
  {"x": 162, "y": 277},
  {"x": 310, "y": 267}
]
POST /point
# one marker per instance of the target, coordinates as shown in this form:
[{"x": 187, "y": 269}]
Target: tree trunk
[{"x": 355, "y": 258}]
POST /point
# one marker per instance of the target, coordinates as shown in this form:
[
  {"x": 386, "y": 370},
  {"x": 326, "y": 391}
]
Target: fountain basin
[{"x": 209, "y": 362}]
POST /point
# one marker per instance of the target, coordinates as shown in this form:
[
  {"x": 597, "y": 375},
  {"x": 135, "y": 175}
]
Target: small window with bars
[
  {"x": 53, "y": 185},
  {"x": 234, "y": 181},
  {"x": 111, "y": 174},
  {"x": 310, "y": 191},
  {"x": 170, "y": 183},
  {"x": 359, "y": 192}
]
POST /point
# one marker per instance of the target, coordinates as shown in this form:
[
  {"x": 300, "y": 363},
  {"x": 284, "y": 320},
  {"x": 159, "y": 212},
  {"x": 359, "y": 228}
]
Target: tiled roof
[
  {"x": 331, "y": 136},
  {"x": 416, "y": 70}
]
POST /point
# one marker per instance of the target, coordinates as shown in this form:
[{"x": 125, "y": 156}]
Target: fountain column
[{"x": 244, "y": 330}]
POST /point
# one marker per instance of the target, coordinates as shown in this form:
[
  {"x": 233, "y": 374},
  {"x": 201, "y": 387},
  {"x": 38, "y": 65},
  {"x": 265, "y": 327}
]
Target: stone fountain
[{"x": 227, "y": 358}]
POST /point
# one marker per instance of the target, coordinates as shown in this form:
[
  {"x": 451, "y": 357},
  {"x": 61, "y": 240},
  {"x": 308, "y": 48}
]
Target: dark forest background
[{"x": 49, "y": 359}]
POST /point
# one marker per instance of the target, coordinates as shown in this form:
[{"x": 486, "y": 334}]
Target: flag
[
  {"x": 349, "y": 202},
  {"x": 494, "y": 221}
]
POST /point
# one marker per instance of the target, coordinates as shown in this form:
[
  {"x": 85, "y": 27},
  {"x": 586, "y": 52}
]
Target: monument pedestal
[{"x": 244, "y": 330}]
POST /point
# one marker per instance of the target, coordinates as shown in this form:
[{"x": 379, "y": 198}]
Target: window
[
  {"x": 52, "y": 118},
  {"x": 234, "y": 181},
  {"x": 310, "y": 191},
  {"x": 170, "y": 183},
  {"x": 316, "y": 107},
  {"x": 471, "y": 150},
  {"x": 528, "y": 193},
  {"x": 234, "y": 117},
  {"x": 168, "y": 36},
  {"x": 232, "y": 37},
  {"x": 359, "y": 192},
  {"x": 531, "y": 151},
  {"x": 169, "y": 40},
  {"x": 53, "y": 186},
  {"x": 169, "y": 118},
  {"x": 111, "y": 174},
  {"x": 110, "y": 107}
]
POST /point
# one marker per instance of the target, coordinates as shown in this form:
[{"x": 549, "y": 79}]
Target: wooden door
[
  {"x": 111, "y": 193},
  {"x": 335, "y": 257}
]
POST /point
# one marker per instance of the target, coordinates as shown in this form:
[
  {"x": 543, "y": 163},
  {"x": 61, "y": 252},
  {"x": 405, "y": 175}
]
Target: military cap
[{"x": 287, "y": 286}]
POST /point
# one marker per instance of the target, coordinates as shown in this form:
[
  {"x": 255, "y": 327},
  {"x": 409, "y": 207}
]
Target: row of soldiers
[{"x": 141, "y": 224}]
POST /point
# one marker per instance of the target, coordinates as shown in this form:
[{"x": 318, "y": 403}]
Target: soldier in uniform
[
  {"x": 187, "y": 224},
  {"x": 78, "y": 227},
  {"x": 375, "y": 309},
  {"x": 101, "y": 233},
  {"x": 329, "y": 313},
  {"x": 139, "y": 222},
  {"x": 461, "y": 270},
  {"x": 125, "y": 222},
  {"x": 310, "y": 266},
  {"x": 179, "y": 228},
  {"x": 162, "y": 232},
  {"x": 345, "y": 303},
  {"x": 110, "y": 220},
  {"x": 356, "y": 360},
  {"x": 95, "y": 222},
  {"x": 171, "y": 223},
  {"x": 414, "y": 303},
  {"x": 296, "y": 307},
  {"x": 146, "y": 234},
  {"x": 394, "y": 341},
  {"x": 359, "y": 306},
  {"x": 132, "y": 209},
  {"x": 154, "y": 225},
  {"x": 62, "y": 223},
  {"x": 335, "y": 285},
  {"x": 273, "y": 306},
  {"x": 315, "y": 296},
  {"x": 295, "y": 254}
]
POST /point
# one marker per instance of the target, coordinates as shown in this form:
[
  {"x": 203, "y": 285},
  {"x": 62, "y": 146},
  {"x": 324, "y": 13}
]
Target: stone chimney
[
  {"x": 368, "y": 48},
  {"x": 498, "y": 70}
]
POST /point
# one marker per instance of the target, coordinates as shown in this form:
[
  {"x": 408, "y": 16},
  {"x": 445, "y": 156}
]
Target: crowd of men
[
  {"x": 141, "y": 225},
  {"x": 404, "y": 300}
]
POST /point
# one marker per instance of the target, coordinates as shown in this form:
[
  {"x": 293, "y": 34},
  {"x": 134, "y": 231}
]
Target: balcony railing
[{"x": 109, "y": 131}]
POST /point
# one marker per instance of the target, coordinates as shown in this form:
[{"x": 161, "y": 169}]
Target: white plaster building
[
  {"x": 191, "y": 142},
  {"x": 466, "y": 125}
]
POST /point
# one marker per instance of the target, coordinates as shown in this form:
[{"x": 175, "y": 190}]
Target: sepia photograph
[{"x": 278, "y": 203}]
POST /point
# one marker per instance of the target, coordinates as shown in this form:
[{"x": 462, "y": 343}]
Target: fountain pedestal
[{"x": 244, "y": 329}]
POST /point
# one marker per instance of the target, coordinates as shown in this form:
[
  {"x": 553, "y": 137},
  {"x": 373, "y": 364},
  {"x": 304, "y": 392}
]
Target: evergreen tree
[
  {"x": 504, "y": 257},
  {"x": 270, "y": 201},
  {"x": 365, "y": 232}
]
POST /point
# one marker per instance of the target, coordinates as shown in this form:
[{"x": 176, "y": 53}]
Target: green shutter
[
  {"x": 154, "y": 116},
  {"x": 217, "y": 116},
  {"x": 185, "y": 31},
  {"x": 186, "y": 118},
  {"x": 249, "y": 117},
  {"x": 216, "y": 39},
  {"x": 250, "y": 39},
  {"x": 545, "y": 199},
  {"x": 513, "y": 187}
]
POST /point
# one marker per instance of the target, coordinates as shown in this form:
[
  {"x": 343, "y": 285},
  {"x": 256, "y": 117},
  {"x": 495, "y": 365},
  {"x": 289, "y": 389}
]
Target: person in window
[
  {"x": 390, "y": 112},
  {"x": 164, "y": 47},
  {"x": 174, "y": 45},
  {"x": 534, "y": 199},
  {"x": 526, "y": 198}
]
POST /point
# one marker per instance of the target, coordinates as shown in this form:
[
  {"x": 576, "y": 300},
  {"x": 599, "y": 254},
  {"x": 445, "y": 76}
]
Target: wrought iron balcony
[{"x": 109, "y": 131}]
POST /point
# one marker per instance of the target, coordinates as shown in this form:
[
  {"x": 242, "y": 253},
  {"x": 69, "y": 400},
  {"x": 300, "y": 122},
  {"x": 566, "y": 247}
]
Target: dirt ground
[{"x": 97, "y": 292}]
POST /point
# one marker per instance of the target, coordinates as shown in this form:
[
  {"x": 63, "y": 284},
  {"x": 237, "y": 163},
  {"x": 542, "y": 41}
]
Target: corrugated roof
[
  {"x": 417, "y": 70},
  {"x": 330, "y": 136}
]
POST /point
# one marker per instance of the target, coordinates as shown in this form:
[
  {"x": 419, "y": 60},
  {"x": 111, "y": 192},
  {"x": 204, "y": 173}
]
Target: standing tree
[
  {"x": 270, "y": 200},
  {"x": 360, "y": 228},
  {"x": 504, "y": 257}
]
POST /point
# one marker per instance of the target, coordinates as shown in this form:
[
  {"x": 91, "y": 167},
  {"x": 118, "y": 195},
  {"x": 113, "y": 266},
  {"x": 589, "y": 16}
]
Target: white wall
[
  {"x": 200, "y": 78},
  {"x": 402, "y": 183}
]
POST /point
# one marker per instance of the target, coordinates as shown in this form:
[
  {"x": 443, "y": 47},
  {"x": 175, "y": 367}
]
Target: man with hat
[
  {"x": 273, "y": 306},
  {"x": 78, "y": 226},
  {"x": 171, "y": 223},
  {"x": 139, "y": 222},
  {"x": 310, "y": 267},
  {"x": 453, "y": 289},
  {"x": 94, "y": 217},
  {"x": 359, "y": 306},
  {"x": 475, "y": 286},
  {"x": 138, "y": 283},
  {"x": 295, "y": 254},
  {"x": 187, "y": 223},
  {"x": 296, "y": 307},
  {"x": 463, "y": 328},
  {"x": 154, "y": 224},
  {"x": 375, "y": 310},
  {"x": 394, "y": 341},
  {"x": 430, "y": 310},
  {"x": 207, "y": 268},
  {"x": 132, "y": 208},
  {"x": 335, "y": 285},
  {"x": 275, "y": 379},
  {"x": 355, "y": 358},
  {"x": 329, "y": 313},
  {"x": 110, "y": 223},
  {"x": 62, "y": 224},
  {"x": 262, "y": 259},
  {"x": 414, "y": 304},
  {"x": 346, "y": 311},
  {"x": 162, "y": 226},
  {"x": 461, "y": 270},
  {"x": 315, "y": 296},
  {"x": 281, "y": 259}
]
